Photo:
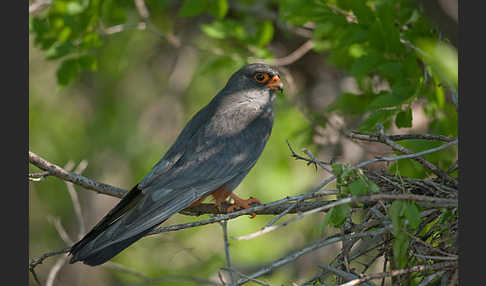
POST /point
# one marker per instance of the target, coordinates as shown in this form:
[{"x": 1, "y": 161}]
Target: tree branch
[
  {"x": 317, "y": 245},
  {"x": 382, "y": 138},
  {"x": 74, "y": 178},
  {"x": 418, "y": 268}
]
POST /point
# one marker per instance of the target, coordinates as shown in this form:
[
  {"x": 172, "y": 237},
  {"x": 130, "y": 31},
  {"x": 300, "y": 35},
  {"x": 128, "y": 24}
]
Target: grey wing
[
  {"x": 179, "y": 146},
  {"x": 212, "y": 162}
]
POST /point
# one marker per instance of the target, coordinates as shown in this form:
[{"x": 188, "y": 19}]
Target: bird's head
[{"x": 260, "y": 78}]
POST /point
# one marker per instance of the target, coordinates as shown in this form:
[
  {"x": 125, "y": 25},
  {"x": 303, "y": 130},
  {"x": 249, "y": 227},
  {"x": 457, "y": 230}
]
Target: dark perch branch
[{"x": 102, "y": 188}]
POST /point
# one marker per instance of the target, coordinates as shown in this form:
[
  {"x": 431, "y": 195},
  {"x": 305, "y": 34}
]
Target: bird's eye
[{"x": 261, "y": 77}]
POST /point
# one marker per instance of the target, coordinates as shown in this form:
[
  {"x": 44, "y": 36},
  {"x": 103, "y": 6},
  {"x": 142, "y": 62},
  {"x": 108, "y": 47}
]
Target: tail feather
[
  {"x": 105, "y": 254},
  {"x": 134, "y": 216}
]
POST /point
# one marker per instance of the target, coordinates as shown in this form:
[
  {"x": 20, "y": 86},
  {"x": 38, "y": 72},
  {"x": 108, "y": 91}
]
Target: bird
[{"x": 211, "y": 156}]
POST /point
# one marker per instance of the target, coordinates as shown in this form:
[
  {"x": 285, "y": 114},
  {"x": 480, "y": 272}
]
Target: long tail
[{"x": 132, "y": 218}]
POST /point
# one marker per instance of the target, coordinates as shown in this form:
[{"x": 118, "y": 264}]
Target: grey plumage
[{"x": 217, "y": 147}]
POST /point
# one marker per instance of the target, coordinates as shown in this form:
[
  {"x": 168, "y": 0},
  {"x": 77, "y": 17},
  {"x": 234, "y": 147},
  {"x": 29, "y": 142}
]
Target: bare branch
[
  {"x": 224, "y": 226},
  {"x": 35, "y": 276},
  {"x": 38, "y": 6},
  {"x": 122, "y": 27},
  {"x": 418, "y": 268},
  {"x": 428, "y": 165},
  {"x": 299, "y": 253},
  {"x": 142, "y": 9},
  {"x": 55, "y": 269},
  {"x": 341, "y": 273},
  {"x": 75, "y": 200},
  {"x": 38, "y": 260},
  {"x": 349, "y": 200},
  {"x": 294, "y": 56},
  {"x": 244, "y": 275},
  {"x": 59, "y": 172},
  {"x": 60, "y": 229}
]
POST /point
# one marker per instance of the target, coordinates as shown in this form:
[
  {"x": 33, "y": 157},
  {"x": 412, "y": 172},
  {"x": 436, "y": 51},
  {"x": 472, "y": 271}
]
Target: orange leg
[
  {"x": 221, "y": 194},
  {"x": 241, "y": 203}
]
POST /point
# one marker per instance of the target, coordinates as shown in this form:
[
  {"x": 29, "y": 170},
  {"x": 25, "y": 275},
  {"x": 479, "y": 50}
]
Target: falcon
[{"x": 210, "y": 157}]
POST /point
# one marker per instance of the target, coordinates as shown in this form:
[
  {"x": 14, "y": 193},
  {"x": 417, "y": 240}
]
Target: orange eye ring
[{"x": 261, "y": 77}]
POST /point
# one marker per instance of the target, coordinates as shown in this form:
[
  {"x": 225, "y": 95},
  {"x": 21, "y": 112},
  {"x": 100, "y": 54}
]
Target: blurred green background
[{"x": 118, "y": 99}]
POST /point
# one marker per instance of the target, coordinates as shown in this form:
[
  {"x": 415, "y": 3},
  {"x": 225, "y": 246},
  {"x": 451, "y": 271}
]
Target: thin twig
[
  {"x": 417, "y": 268},
  {"x": 244, "y": 275},
  {"x": 309, "y": 161},
  {"x": 38, "y": 260},
  {"x": 142, "y": 9},
  {"x": 294, "y": 56},
  {"x": 434, "y": 257},
  {"x": 32, "y": 270},
  {"x": 75, "y": 199},
  {"x": 59, "y": 172},
  {"x": 55, "y": 270},
  {"x": 346, "y": 275},
  {"x": 317, "y": 245},
  {"x": 60, "y": 229},
  {"x": 380, "y": 137},
  {"x": 430, "y": 277},
  {"x": 349, "y": 200},
  {"x": 320, "y": 163},
  {"x": 400, "y": 137},
  {"x": 122, "y": 27},
  {"x": 224, "y": 226},
  {"x": 124, "y": 269}
]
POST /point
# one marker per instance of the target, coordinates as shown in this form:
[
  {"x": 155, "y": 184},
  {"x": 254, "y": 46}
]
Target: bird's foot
[{"x": 242, "y": 204}]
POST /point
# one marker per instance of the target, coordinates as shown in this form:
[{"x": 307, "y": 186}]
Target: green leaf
[
  {"x": 72, "y": 67},
  {"x": 265, "y": 34},
  {"x": 381, "y": 116},
  {"x": 443, "y": 60},
  {"x": 191, "y": 8},
  {"x": 325, "y": 220},
  {"x": 400, "y": 246},
  {"x": 412, "y": 214},
  {"x": 88, "y": 62},
  {"x": 337, "y": 215},
  {"x": 74, "y": 8},
  {"x": 408, "y": 168},
  {"x": 404, "y": 118},
  {"x": 218, "y": 8},
  {"x": 401, "y": 92},
  {"x": 214, "y": 30},
  {"x": 350, "y": 103},
  {"x": 365, "y": 65},
  {"x": 59, "y": 50},
  {"x": 395, "y": 213},
  {"x": 358, "y": 187},
  {"x": 391, "y": 70},
  {"x": 67, "y": 72},
  {"x": 364, "y": 13},
  {"x": 387, "y": 15},
  {"x": 373, "y": 187}
]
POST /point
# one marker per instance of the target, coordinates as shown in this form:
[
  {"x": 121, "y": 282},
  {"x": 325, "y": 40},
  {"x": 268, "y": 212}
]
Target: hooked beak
[{"x": 275, "y": 83}]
